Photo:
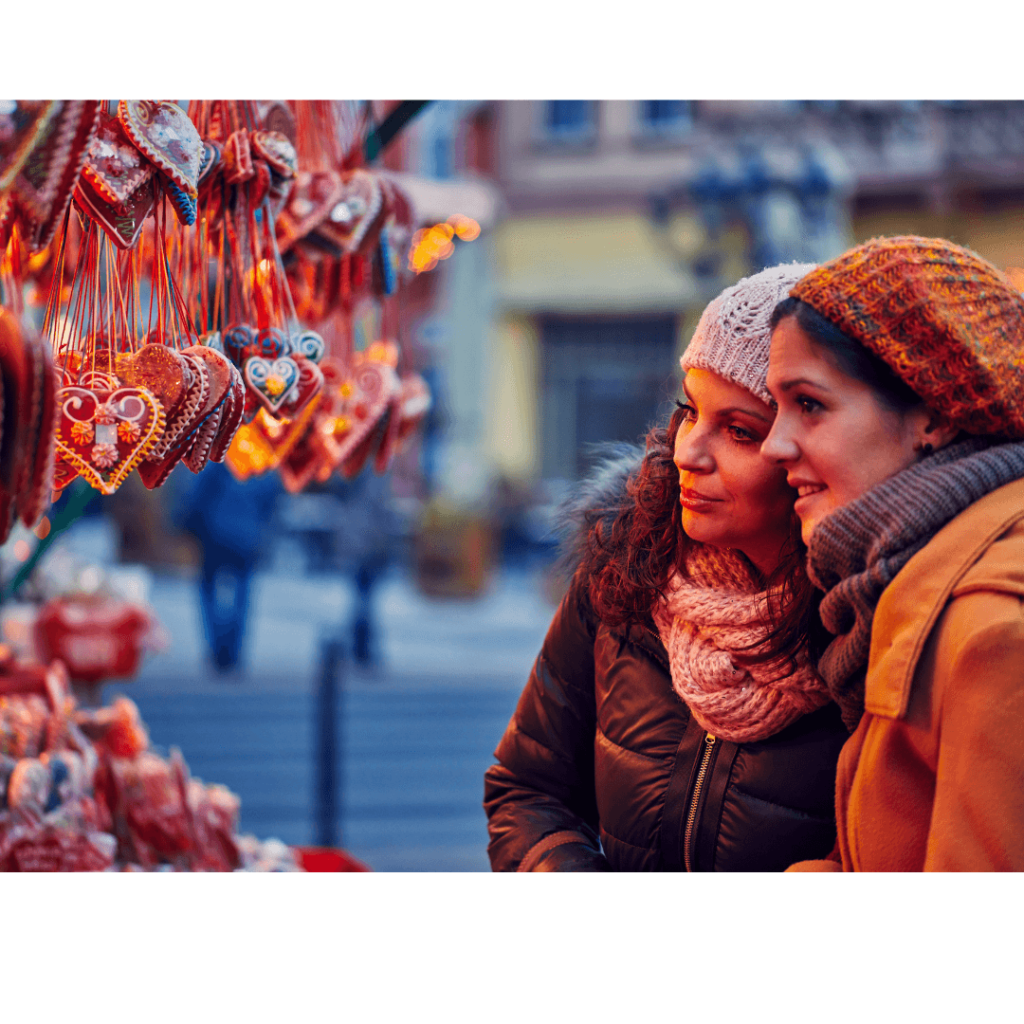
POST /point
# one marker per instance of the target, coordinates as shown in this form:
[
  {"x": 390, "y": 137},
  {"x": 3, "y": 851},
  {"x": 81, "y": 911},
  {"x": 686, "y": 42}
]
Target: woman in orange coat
[{"x": 898, "y": 369}]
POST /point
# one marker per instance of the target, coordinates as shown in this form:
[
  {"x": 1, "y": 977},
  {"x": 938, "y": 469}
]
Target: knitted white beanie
[{"x": 733, "y": 338}]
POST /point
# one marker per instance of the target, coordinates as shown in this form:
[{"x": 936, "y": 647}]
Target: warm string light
[{"x": 431, "y": 245}]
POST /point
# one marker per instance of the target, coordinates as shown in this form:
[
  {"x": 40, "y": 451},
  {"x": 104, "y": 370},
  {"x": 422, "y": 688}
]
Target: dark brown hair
[
  {"x": 849, "y": 356},
  {"x": 632, "y": 551}
]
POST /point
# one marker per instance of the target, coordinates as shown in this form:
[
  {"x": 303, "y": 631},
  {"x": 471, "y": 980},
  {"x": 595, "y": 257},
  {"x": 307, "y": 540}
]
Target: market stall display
[{"x": 175, "y": 286}]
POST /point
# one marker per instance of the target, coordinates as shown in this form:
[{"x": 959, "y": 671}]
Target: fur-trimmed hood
[{"x": 602, "y": 491}]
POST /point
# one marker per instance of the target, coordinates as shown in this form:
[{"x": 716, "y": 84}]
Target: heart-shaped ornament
[
  {"x": 277, "y": 150},
  {"x": 232, "y": 418},
  {"x": 305, "y": 462},
  {"x": 235, "y": 340},
  {"x": 113, "y": 165},
  {"x": 308, "y": 344},
  {"x": 47, "y": 179},
  {"x": 41, "y": 480},
  {"x": 348, "y": 224},
  {"x": 271, "y": 343},
  {"x": 22, "y": 124},
  {"x": 271, "y": 380},
  {"x": 220, "y": 372},
  {"x": 314, "y": 196},
  {"x": 186, "y": 418},
  {"x": 167, "y": 137},
  {"x": 123, "y": 222},
  {"x": 237, "y": 166},
  {"x": 281, "y": 436},
  {"x": 104, "y": 435},
  {"x": 308, "y": 385},
  {"x": 361, "y": 400},
  {"x": 159, "y": 369}
]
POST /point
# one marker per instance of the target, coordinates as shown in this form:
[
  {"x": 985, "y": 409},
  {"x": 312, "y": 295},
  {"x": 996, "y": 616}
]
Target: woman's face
[
  {"x": 832, "y": 433},
  {"x": 732, "y": 496}
]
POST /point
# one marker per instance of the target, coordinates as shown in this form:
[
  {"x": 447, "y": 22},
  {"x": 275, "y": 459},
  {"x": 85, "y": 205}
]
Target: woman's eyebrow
[
  {"x": 788, "y": 385},
  {"x": 732, "y": 410}
]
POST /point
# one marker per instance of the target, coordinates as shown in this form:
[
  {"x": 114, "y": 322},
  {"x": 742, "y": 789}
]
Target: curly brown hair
[{"x": 628, "y": 563}]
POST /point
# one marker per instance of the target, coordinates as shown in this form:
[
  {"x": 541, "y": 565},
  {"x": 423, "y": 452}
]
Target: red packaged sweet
[{"x": 96, "y": 638}]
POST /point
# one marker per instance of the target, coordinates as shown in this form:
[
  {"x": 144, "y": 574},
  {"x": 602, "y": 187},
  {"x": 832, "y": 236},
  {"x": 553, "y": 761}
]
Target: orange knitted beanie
[{"x": 947, "y": 322}]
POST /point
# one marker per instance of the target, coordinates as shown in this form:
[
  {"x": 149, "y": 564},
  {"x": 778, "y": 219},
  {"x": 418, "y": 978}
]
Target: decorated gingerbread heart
[
  {"x": 235, "y": 340},
  {"x": 277, "y": 150},
  {"x": 308, "y": 386},
  {"x": 220, "y": 372},
  {"x": 271, "y": 380},
  {"x": 360, "y": 205},
  {"x": 103, "y": 435},
  {"x": 167, "y": 137},
  {"x": 123, "y": 222},
  {"x": 237, "y": 166},
  {"x": 308, "y": 344},
  {"x": 362, "y": 399},
  {"x": 313, "y": 197},
  {"x": 113, "y": 165},
  {"x": 22, "y": 124},
  {"x": 160, "y": 370},
  {"x": 48, "y": 176}
]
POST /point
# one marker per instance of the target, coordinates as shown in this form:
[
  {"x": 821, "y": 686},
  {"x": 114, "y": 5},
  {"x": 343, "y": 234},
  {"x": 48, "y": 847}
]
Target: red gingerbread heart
[
  {"x": 160, "y": 370},
  {"x": 123, "y": 222},
  {"x": 167, "y": 137},
  {"x": 44, "y": 185},
  {"x": 314, "y": 196},
  {"x": 104, "y": 435},
  {"x": 17, "y": 384},
  {"x": 113, "y": 165},
  {"x": 220, "y": 373},
  {"x": 275, "y": 148},
  {"x": 359, "y": 207},
  {"x": 22, "y": 124},
  {"x": 361, "y": 402},
  {"x": 232, "y": 418},
  {"x": 307, "y": 460},
  {"x": 309, "y": 384}
]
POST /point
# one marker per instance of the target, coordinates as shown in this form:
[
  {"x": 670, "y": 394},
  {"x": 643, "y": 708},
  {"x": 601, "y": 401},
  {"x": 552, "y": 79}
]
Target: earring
[{"x": 924, "y": 448}]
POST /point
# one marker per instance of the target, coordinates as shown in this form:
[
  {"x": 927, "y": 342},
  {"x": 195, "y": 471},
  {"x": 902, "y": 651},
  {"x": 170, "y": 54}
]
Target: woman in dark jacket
[{"x": 673, "y": 719}]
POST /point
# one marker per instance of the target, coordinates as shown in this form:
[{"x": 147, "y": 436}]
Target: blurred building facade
[{"x": 608, "y": 225}]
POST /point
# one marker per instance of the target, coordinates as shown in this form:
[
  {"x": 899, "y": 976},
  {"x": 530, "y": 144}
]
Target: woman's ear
[{"x": 935, "y": 432}]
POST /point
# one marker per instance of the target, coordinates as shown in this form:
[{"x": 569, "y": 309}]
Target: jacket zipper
[{"x": 709, "y": 747}]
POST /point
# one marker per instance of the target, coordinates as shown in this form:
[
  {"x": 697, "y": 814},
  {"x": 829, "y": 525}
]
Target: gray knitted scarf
[{"x": 856, "y": 551}]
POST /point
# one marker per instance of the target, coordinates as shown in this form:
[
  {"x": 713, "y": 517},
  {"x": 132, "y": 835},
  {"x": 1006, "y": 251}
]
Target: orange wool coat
[{"x": 933, "y": 777}]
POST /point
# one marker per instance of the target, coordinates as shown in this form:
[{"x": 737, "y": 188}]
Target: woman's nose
[
  {"x": 691, "y": 454},
  {"x": 779, "y": 445}
]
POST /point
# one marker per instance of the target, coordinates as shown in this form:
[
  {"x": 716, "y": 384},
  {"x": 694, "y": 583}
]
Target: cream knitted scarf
[{"x": 708, "y": 618}]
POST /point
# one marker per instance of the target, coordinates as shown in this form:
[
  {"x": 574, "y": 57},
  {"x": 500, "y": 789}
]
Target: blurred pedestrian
[
  {"x": 233, "y": 523},
  {"x": 897, "y": 368},
  {"x": 673, "y": 719}
]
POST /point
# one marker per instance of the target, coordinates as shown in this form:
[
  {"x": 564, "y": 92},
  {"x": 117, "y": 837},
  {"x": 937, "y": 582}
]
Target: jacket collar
[{"x": 910, "y": 606}]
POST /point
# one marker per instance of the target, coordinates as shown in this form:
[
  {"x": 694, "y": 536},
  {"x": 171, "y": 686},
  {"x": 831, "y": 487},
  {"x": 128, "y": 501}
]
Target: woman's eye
[
  {"x": 689, "y": 413},
  {"x": 741, "y": 434},
  {"x": 808, "y": 404}
]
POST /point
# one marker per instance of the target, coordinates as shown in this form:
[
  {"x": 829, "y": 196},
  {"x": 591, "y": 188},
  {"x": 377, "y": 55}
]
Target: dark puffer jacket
[{"x": 603, "y": 767}]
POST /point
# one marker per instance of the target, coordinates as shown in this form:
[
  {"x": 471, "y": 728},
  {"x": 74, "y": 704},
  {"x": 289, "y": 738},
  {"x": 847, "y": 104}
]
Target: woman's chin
[{"x": 697, "y": 527}]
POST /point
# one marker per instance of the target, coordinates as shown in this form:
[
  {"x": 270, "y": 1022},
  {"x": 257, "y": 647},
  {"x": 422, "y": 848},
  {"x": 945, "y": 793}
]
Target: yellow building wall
[
  {"x": 514, "y": 390},
  {"x": 998, "y": 236}
]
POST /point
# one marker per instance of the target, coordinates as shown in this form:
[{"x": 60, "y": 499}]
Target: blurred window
[
  {"x": 569, "y": 120},
  {"x": 441, "y": 155},
  {"x": 665, "y": 117},
  {"x": 604, "y": 379}
]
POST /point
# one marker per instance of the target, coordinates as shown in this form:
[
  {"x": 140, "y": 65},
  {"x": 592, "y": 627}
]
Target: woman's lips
[
  {"x": 695, "y": 501},
  {"x": 806, "y": 493}
]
